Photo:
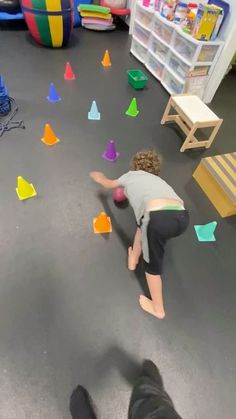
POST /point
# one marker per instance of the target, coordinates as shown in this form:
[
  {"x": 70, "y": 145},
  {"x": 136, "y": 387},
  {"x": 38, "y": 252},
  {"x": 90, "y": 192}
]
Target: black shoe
[{"x": 81, "y": 405}]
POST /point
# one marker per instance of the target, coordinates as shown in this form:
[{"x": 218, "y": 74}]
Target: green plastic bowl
[{"x": 137, "y": 79}]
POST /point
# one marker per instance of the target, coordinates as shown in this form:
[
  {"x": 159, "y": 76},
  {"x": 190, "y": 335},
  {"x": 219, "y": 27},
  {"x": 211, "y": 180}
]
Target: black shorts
[{"x": 162, "y": 226}]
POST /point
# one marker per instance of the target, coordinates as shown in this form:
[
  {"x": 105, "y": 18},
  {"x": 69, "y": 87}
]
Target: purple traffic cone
[{"x": 110, "y": 153}]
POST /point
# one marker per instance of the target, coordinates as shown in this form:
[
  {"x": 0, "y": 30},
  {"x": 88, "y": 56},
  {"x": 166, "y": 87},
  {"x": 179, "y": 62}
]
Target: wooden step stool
[
  {"x": 192, "y": 114},
  {"x": 217, "y": 178}
]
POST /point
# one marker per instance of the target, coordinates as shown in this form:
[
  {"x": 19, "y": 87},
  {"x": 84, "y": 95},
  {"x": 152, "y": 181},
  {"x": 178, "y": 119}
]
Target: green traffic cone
[{"x": 132, "y": 109}]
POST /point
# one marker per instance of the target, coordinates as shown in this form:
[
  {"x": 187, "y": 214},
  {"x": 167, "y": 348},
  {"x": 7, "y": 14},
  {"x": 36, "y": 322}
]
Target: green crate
[{"x": 137, "y": 79}]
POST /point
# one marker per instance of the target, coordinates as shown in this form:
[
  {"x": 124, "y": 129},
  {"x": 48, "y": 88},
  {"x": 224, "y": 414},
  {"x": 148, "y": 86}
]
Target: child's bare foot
[
  {"x": 132, "y": 262},
  {"x": 147, "y": 305}
]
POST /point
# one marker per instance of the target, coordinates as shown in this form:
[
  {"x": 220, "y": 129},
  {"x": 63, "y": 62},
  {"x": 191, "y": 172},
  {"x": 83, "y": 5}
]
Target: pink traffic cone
[{"x": 110, "y": 153}]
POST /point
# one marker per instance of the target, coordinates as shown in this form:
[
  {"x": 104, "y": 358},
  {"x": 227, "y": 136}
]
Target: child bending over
[{"x": 160, "y": 215}]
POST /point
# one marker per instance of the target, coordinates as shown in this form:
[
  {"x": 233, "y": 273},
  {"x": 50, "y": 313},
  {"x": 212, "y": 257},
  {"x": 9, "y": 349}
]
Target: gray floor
[{"x": 69, "y": 309}]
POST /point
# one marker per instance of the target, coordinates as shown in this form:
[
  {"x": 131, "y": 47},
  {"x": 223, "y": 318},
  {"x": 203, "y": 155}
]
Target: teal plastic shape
[
  {"x": 137, "y": 79},
  {"x": 205, "y": 233},
  {"x": 93, "y": 114}
]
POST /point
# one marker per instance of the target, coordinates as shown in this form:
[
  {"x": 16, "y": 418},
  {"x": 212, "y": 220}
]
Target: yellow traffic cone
[
  {"x": 25, "y": 189},
  {"x": 49, "y": 137}
]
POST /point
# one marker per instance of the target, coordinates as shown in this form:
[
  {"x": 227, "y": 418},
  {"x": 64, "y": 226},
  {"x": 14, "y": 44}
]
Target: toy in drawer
[
  {"x": 141, "y": 33},
  {"x": 154, "y": 66},
  {"x": 158, "y": 48},
  {"x": 144, "y": 15},
  {"x": 163, "y": 29}
]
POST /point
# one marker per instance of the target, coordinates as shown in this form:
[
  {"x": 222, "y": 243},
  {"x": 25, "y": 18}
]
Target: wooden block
[{"x": 214, "y": 191}]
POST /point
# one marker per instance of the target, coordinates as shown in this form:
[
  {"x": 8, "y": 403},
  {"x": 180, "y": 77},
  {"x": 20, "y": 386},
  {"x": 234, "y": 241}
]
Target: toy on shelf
[
  {"x": 110, "y": 154},
  {"x": 50, "y": 22},
  {"x": 206, "y": 19},
  {"x": 102, "y": 224},
  {"x": 53, "y": 96},
  {"x": 69, "y": 74},
  {"x": 93, "y": 114},
  {"x": 205, "y": 232},
  {"x": 49, "y": 137},
  {"x": 133, "y": 108},
  {"x": 137, "y": 79},
  {"x": 24, "y": 189}
]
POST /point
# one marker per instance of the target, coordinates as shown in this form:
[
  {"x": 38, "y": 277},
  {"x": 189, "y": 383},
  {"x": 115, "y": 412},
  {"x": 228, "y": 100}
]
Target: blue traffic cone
[
  {"x": 53, "y": 95},
  {"x": 205, "y": 233},
  {"x": 93, "y": 113}
]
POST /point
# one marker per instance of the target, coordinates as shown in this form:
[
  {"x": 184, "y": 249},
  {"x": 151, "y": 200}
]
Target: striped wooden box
[{"x": 217, "y": 177}]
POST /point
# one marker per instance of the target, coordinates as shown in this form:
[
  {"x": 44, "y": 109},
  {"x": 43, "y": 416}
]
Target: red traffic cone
[{"x": 69, "y": 74}]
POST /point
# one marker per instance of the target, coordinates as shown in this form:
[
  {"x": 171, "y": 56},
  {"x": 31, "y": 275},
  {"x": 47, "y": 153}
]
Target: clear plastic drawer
[
  {"x": 184, "y": 47},
  {"x": 154, "y": 66},
  {"x": 163, "y": 29},
  {"x": 171, "y": 83},
  {"x": 178, "y": 66},
  {"x": 158, "y": 48},
  {"x": 144, "y": 15},
  {"x": 141, "y": 33},
  {"x": 208, "y": 53},
  {"x": 138, "y": 50}
]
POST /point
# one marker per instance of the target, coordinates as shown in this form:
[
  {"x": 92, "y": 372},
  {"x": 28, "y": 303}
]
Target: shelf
[
  {"x": 152, "y": 72},
  {"x": 142, "y": 25},
  {"x": 164, "y": 20},
  {"x": 169, "y": 90},
  {"x": 137, "y": 56},
  {"x": 185, "y": 61},
  {"x": 145, "y": 9}
]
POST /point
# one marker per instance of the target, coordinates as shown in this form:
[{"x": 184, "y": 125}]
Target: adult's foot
[
  {"x": 147, "y": 305},
  {"x": 132, "y": 262}
]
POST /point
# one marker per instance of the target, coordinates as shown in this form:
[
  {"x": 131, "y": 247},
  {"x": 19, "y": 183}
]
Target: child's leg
[
  {"x": 135, "y": 252},
  {"x": 154, "y": 306}
]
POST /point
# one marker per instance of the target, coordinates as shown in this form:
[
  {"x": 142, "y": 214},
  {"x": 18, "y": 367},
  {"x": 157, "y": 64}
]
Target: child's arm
[{"x": 101, "y": 179}]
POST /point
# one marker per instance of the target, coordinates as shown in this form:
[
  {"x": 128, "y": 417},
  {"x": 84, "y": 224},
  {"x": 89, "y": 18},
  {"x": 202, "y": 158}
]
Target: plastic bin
[
  {"x": 144, "y": 15},
  {"x": 158, "y": 48},
  {"x": 178, "y": 66},
  {"x": 172, "y": 84},
  {"x": 141, "y": 33},
  {"x": 185, "y": 46},
  {"x": 137, "y": 79},
  {"x": 163, "y": 28},
  {"x": 208, "y": 53}
]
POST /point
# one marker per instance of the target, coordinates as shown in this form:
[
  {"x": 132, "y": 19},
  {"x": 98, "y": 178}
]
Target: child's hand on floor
[{"x": 97, "y": 176}]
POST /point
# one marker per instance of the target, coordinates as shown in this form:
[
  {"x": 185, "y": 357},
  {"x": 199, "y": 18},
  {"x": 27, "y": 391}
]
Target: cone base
[
  {"x": 105, "y": 64},
  {"x": 94, "y": 118},
  {"x": 69, "y": 77},
  {"x": 109, "y": 158},
  {"x": 50, "y": 144},
  {"x": 103, "y": 231},
  {"x": 53, "y": 100},
  {"x": 211, "y": 237},
  {"x": 22, "y": 198},
  {"x": 132, "y": 114}
]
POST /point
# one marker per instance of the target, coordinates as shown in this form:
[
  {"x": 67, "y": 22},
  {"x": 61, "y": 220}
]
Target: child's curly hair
[{"x": 147, "y": 160}]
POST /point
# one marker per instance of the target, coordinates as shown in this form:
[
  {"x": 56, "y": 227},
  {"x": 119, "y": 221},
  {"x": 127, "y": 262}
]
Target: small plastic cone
[
  {"x": 93, "y": 114},
  {"x": 132, "y": 109},
  {"x": 102, "y": 224},
  {"x": 52, "y": 94},
  {"x": 106, "y": 62},
  {"x": 25, "y": 189},
  {"x": 110, "y": 153},
  {"x": 69, "y": 74},
  {"x": 49, "y": 137}
]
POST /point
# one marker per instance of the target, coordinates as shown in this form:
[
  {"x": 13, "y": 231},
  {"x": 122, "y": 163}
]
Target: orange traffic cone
[
  {"x": 102, "y": 224},
  {"x": 49, "y": 137},
  {"x": 106, "y": 62},
  {"x": 69, "y": 74}
]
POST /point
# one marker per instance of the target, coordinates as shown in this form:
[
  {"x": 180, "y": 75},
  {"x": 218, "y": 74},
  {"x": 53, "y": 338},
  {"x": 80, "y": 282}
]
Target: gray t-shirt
[{"x": 141, "y": 187}]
